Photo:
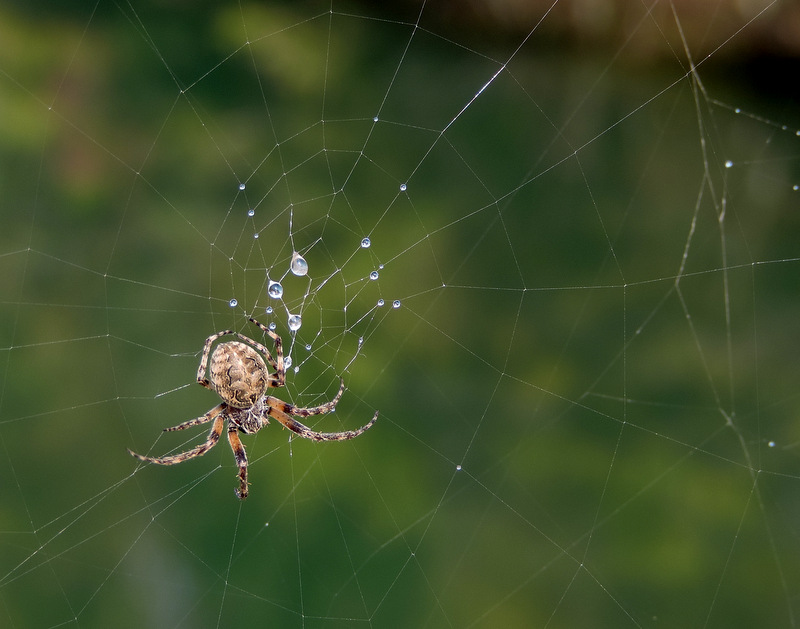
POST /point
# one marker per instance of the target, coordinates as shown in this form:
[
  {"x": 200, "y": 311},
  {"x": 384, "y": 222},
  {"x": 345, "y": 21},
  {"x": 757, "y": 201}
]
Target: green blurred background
[{"x": 588, "y": 394}]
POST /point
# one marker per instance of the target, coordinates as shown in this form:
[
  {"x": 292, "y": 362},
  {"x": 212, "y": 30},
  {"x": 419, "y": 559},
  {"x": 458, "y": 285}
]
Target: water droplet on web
[
  {"x": 396, "y": 304},
  {"x": 272, "y": 326},
  {"x": 268, "y": 310},
  {"x": 458, "y": 468},
  {"x": 308, "y": 347},
  {"x": 375, "y": 119},
  {"x": 287, "y": 362},
  {"x": 242, "y": 186},
  {"x": 255, "y": 235},
  {"x": 403, "y": 187},
  {"x": 728, "y": 164},
  {"x": 771, "y": 444},
  {"x": 795, "y": 187},
  {"x": 373, "y": 275},
  {"x": 251, "y": 212},
  {"x": 365, "y": 242},
  {"x": 380, "y": 302},
  {"x": 275, "y": 290},
  {"x": 233, "y": 303},
  {"x": 299, "y": 265},
  {"x": 295, "y": 321},
  {"x": 360, "y": 340}
]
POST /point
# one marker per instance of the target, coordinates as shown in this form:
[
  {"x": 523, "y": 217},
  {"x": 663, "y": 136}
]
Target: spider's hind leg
[
  {"x": 213, "y": 438},
  {"x": 241, "y": 460}
]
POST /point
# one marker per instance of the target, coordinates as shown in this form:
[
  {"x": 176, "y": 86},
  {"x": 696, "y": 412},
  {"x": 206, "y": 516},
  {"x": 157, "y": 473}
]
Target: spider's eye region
[{"x": 238, "y": 374}]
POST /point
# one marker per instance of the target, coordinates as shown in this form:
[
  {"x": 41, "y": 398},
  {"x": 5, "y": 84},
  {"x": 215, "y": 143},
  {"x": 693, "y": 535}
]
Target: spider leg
[
  {"x": 276, "y": 363},
  {"x": 291, "y": 409},
  {"x": 241, "y": 460},
  {"x": 201, "y": 370},
  {"x": 304, "y": 431},
  {"x": 213, "y": 437},
  {"x": 198, "y": 420}
]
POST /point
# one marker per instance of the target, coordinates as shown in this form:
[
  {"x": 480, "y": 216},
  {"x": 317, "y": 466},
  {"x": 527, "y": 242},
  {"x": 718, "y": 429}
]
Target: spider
[{"x": 241, "y": 378}]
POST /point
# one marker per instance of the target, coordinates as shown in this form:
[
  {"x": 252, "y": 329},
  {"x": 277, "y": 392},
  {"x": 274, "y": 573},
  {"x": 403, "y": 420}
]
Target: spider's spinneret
[{"x": 238, "y": 374}]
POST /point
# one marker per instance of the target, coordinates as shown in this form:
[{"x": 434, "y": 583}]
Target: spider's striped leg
[
  {"x": 304, "y": 431},
  {"x": 291, "y": 409},
  {"x": 201, "y": 370},
  {"x": 213, "y": 438},
  {"x": 199, "y": 420},
  {"x": 241, "y": 460},
  {"x": 277, "y": 362}
]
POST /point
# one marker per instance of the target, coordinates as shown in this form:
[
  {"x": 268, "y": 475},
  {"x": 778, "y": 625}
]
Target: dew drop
[
  {"x": 375, "y": 119},
  {"x": 233, "y": 303},
  {"x": 396, "y": 304},
  {"x": 360, "y": 340},
  {"x": 365, "y": 243},
  {"x": 402, "y": 187},
  {"x": 771, "y": 444},
  {"x": 287, "y": 362},
  {"x": 242, "y": 186},
  {"x": 268, "y": 310},
  {"x": 251, "y": 212},
  {"x": 299, "y": 265},
  {"x": 458, "y": 468},
  {"x": 795, "y": 187},
  {"x": 255, "y": 235},
  {"x": 295, "y": 321},
  {"x": 728, "y": 164},
  {"x": 297, "y": 369},
  {"x": 272, "y": 326},
  {"x": 373, "y": 275},
  {"x": 380, "y": 302},
  {"x": 308, "y": 347},
  {"x": 275, "y": 290}
]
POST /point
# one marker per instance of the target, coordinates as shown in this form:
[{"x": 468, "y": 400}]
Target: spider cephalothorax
[{"x": 240, "y": 376}]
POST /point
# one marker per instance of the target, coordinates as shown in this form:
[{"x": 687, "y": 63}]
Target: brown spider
[{"x": 241, "y": 378}]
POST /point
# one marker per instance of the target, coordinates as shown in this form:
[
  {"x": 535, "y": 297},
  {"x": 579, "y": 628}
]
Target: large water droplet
[
  {"x": 295, "y": 321},
  {"x": 275, "y": 290},
  {"x": 299, "y": 265}
]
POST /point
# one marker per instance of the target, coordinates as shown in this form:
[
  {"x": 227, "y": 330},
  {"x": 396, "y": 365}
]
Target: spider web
[{"x": 568, "y": 282}]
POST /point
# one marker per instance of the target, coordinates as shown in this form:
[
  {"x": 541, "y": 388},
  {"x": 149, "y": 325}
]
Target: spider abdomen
[{"x": 238, "y": 374}]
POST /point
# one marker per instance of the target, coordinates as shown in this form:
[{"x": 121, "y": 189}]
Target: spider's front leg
[{"x": 210, "y": 442}]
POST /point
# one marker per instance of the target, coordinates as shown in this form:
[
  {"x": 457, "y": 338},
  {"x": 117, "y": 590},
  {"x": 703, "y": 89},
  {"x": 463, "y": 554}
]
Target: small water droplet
[
  {"x": 375, "y": 119},
  {"x": 373, "y": 275},
  {"x": 287, "y": 362},
  {"x": 299, "y": 265},
  {"x": 737, "y": 110},
  {"x": 771, "y": 444},
  {"x": 380, "y": 302},
  {"x": 403, "y": 187},
  {"x": 365, "y": 242},
  {"x": 396, "y": 304},
  {"x": 458, "y": 468},
  {"x": 795, "y": 187},
  {"x": 233, "y": 303},
  {"x": 295, "y": 321},
  {"x": 268, "y": 310},
  {"x": 360, "y": 340},
  {"x": 308, "y": 347},
  {"x": 297, "y": 369},
  {"x": 728, "y": 164},
  {"x": 272, "y": 326},
  {"x": 275, "y": 290},
  {"x": 251, "y": 212},
  {"x": 255, "y": 235},
  {"x": 242, "y": 186}
]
